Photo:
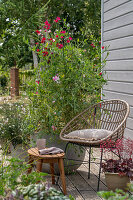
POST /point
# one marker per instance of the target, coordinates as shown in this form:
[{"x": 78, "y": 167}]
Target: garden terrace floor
[{"x": 78, "y": 184}]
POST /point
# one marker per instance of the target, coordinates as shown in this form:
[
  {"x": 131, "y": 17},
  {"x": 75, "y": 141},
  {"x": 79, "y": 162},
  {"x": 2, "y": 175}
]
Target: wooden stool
[{"x": 51, "y": 159}]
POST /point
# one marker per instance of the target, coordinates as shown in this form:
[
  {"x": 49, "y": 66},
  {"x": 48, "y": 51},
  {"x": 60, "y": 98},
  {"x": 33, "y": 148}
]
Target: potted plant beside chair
[{"x": 118, "y": 163}]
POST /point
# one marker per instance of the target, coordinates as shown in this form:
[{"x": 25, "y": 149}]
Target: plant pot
[
  {"x": 73, "y": 152},
  {"x": 20, "y": 152},
  {"x": 114, "y": 181}
]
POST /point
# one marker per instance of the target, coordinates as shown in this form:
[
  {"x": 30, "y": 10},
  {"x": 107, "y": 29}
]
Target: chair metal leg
[
  {"x": 89, "y": 162},
  {"x": 100, "y": 170}
]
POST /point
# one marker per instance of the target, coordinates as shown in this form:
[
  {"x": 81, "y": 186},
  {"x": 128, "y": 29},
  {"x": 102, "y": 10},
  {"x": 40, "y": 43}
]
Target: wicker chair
[{"x": 110, "y": 115}]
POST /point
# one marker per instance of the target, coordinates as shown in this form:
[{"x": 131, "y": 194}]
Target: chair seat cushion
[{"x": 88, "y": 134}]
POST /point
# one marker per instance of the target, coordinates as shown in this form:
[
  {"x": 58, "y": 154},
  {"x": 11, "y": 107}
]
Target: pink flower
[
  {"x": 36, "y": 92},
  {"x": 53, "y": 127},
  {"x": 53, "y": 101},
  {"x": 43, "y": 40},
  {"x": 102, "y": 47},
  {"x": 62, "y": 37},
  {"x": 100, "y": 73},
  {"x": 38, "y": 32},
  {"x": 56, "y": 78},
  {"x": 55, "y": 113},
  {"x": 63, "y": 32},
  {"x": 68, "y": 41},
  {"x": 38, "y": 82},
  {"x": 70, "y": 38},
  {"x": 37, "y": 50},
  {"x": 57, "y": 19}
]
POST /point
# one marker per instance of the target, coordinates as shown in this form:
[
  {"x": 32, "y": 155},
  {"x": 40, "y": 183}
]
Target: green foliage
[
  {"x": 38, "y": 192},
  {"x": 16, "y": 184},
  {"x": 67, "y": 80},
  {"x": 16, "y": 125},
  {"x": 14, "y": 175},
  {"x": 19, "y": 18},
  {"x": 117, "y": 195}
]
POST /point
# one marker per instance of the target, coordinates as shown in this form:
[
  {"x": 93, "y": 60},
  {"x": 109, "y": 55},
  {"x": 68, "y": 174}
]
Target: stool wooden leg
[
  {"x": 62, "y": 174},
  {"x": 39, "y": 165},
  {"x": 30, "y": 162},
  {"x": 52, "y": 172}
]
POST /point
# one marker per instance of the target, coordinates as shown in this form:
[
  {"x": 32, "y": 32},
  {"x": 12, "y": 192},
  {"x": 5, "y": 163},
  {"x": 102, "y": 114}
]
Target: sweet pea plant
[{"x": 68, "y": 77}]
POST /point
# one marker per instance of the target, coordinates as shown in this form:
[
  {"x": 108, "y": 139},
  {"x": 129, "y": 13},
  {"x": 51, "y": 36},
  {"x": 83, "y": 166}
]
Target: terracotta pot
[
  {"x": 20, "y": 152},
  {"x": 73, "y": 152},
  {"x": 114, "y": 181}
]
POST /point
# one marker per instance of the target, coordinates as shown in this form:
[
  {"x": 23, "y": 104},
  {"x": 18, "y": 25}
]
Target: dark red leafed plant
[{"x": 118, "y": 157}]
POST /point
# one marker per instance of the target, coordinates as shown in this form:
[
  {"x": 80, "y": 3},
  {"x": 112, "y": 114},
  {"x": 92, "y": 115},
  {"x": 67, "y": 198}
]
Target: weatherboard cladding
[{"x": 117, "y": 35}]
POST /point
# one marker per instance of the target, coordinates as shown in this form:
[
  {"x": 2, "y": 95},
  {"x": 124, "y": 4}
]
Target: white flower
[{"x": 7, "y": 20}]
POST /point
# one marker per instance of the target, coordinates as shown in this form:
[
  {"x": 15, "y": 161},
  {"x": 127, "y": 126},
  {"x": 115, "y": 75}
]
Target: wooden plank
[
  {"x": 119, "y": 65},
  {"x": 71, "y": 189},
  {"x": 118, "y": 33},
  {"x": 119, "y": 87},
  {"x": 81, "y": 184},
  {"x": 119, "y": 43},
  {"x": 130, "y": 123},
  {"x": 120, "y": 54},
  {"x": 116, "y": 95},
  {"x": 122, "y": 76},
  {"x": 120, "y": 21},
  {"x": 112, "y": 4},
  {"x": 83, "y": 171},
  {"x": 120, "y": 10}
]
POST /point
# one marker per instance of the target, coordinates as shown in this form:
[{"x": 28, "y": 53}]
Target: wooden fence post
[{"x": 14, "y": 77}]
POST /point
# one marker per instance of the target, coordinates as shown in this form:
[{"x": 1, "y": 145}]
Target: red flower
[
  {"x": 46, "y": 22},
  {"x": 63, "y": 32},
  {"x": 38, "y": 32},
  {"x": 57, "y": 19},
  {"x": 62, "y": 37},
  {"x": 36, "y": 43},
  {"x": 57, "y": 36},
  {"x": 37, "y": 50},
  {"x": 99, "y": 42},
  {"x": 100, "y": 73},
  {"x": 102, "y": 47},
  {"x": 70, "y": 38},
  {"x": 43, "y": 40},
  {"x": 68, "y": 41},
  {"x": 45, "y": 53},
  {"x": 59, "y": 45},
  {"x": 92, "y": 44},
  {"x": 47, "y": 25}
]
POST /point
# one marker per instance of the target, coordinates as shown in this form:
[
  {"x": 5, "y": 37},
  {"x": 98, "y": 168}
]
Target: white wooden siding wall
[{"x": 117, "y": 34}]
